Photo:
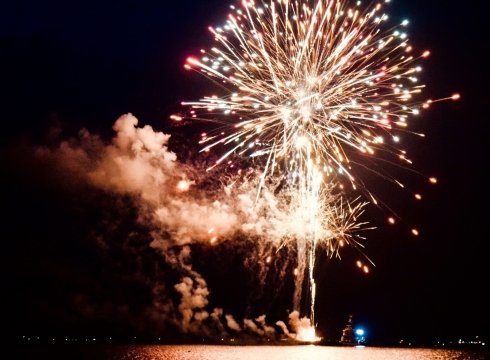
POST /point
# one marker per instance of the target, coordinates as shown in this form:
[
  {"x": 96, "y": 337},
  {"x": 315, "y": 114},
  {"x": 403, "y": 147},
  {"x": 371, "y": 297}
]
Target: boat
[{"x": 351, "y": 337}]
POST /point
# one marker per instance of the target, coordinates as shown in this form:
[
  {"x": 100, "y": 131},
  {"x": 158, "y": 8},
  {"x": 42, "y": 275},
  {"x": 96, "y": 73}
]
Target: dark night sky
[{"x": 83, "y": 64}]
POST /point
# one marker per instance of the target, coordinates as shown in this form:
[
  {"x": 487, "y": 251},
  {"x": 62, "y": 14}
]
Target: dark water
[{"x": 210, "y": 352}]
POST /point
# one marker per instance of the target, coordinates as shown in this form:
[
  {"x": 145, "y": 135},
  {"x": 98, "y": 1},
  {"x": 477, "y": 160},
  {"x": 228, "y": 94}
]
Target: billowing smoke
[
  {"x": 138, "y": 163},
  {"x": 302, "y": 327},
  {"x": 251, "y": 326},
  {"x": 232, "y": 323},
  {"x": 268, "y": 330},
  {"x": 259, "y": 327},
  {"x": 283, "y": 327},
  {"x": 194, "y": 299}
]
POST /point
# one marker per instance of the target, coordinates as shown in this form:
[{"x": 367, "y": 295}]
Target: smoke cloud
[{"x": 138, "y": 163}]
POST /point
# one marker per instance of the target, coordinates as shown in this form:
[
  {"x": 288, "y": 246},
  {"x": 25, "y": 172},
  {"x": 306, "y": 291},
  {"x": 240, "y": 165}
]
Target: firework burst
[
  {"x": 310, "y": 81},
  {"x": 312, "y": 88}
]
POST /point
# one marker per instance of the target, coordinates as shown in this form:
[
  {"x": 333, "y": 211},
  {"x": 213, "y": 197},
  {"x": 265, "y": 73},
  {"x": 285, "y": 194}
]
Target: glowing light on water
[{"x": 307, "y": 334}]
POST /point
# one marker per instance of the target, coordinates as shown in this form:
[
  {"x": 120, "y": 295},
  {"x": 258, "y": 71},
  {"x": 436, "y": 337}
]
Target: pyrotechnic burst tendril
[{"x": 312, "y": 88}]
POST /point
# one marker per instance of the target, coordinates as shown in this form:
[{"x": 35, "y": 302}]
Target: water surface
[{"x": 218, "y": 352}]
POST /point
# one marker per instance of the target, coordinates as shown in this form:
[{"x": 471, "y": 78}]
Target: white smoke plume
[
  {"x": 303, "y": 329},
  {"x": 283, "y": 327},
  {"x": 296, "y": 322},
  {"x": 260, "y": 327},
  {"x": 216, "y": 320},
  {"x": 250, "y": 325},
  {"x": 268, "y": 330},
  {"x": 137, "y": 162},
  {"x": 194, "y": 299},
  {"x": 232, "y": 323}
]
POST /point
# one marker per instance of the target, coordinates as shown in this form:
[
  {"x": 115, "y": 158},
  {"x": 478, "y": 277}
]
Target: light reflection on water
[{"x": 208, "y": 352}]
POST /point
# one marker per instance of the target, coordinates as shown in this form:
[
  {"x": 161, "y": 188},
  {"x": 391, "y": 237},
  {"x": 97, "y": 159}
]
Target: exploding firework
[{"x": 311, "y": 90}]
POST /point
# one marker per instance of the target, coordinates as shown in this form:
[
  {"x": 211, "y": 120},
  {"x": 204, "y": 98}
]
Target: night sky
[{"x": 65, "y": 66}]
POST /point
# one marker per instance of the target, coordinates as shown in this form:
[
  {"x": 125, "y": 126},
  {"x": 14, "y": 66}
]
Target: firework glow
[{"x": 310, "y": 92}]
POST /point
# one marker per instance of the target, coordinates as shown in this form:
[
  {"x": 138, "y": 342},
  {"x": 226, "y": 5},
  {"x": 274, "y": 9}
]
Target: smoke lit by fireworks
[{"x": 310, "y": 89}]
